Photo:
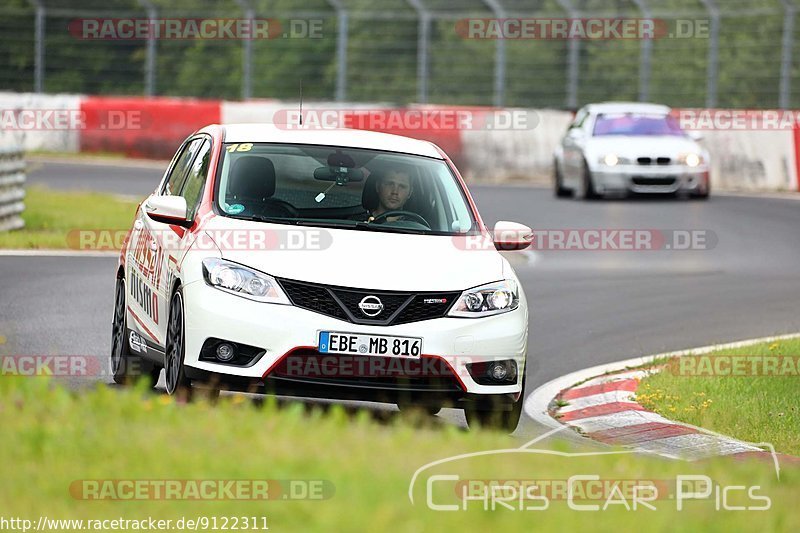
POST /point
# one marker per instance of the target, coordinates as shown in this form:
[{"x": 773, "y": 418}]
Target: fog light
[
  {"x": 498, "y": 371},
  {"x": 225, "y": 352}
]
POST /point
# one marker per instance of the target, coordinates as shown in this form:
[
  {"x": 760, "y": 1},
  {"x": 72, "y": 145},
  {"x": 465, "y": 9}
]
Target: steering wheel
[
  {"x": 380, "y": 219},
  {"x": 286, "y": 207}
]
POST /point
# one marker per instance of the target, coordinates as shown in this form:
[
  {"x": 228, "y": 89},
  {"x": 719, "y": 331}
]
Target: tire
[
  {"x": 560, "y": 190},
  {"x": 176, "y": 382},
  {"x": 588, "y": 184},
  {"x": 494, "y": 412},
  {"x": 126, "y": 367},
  {"x": 701, "y": 195}
]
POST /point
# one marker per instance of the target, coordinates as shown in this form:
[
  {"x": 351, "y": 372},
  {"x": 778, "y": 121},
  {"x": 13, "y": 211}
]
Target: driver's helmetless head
[{"x": 394, "y": 190}]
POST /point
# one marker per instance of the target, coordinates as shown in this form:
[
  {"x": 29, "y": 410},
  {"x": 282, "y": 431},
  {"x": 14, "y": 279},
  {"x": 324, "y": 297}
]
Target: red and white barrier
[{"x": 749, "y": 160}]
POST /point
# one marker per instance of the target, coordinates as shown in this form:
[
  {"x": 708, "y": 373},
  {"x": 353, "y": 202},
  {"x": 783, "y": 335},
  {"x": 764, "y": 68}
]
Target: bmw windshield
[
  {"x": 351, "y": 188},
  {"x": 634, "y": 124}
]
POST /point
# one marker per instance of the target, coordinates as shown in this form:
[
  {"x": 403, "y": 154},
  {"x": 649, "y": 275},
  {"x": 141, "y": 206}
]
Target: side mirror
[
  {"x": 167, "y": 210},
  {"x": 695, "y": 136},
  {"x": 510, "y": 236}
]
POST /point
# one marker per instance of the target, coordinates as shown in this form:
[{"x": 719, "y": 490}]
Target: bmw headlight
[
  {"x": 242, "y": 281},
  {"x": 612, "y": 160},
  {"x": 486, "y": 300},
  {"x": 691, "y": 159}
]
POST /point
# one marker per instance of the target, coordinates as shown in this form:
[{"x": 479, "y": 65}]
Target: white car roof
[
  {"x": 628, "y": 107},
  {"x": 270, "y": 133}
]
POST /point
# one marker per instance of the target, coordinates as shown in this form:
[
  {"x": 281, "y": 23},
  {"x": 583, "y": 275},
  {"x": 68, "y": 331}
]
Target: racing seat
[
  {"x": 369, "y": 195},
  {"x": 252, "y": 184}
]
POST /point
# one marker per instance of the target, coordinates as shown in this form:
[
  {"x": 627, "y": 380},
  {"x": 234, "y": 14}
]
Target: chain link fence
[{"x": 705, "y": 53}]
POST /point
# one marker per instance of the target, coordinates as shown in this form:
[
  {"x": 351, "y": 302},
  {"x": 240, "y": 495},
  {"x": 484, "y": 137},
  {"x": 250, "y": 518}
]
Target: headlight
[
  {"x": 242, "y": 281},
  {"x": 492, "y": 299},
  {"x": 610, "y": 160},
  {"x": 690, "y": 159}
]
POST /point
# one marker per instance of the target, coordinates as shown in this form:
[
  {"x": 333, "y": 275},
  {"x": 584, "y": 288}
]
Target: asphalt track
[{"x": 587, "y": 307}]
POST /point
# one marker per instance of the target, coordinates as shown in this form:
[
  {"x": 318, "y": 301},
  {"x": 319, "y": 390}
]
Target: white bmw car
[
  {"x": 620, "y": 148},
  {"x": 338, "y": 264}
]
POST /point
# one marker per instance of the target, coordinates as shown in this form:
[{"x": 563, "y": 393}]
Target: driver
[{"x": 394, "y": 189}]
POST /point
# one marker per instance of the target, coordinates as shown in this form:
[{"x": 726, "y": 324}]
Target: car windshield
[
  {"x": 636, "y": 124},
  {"x": 351, "y": 188}
]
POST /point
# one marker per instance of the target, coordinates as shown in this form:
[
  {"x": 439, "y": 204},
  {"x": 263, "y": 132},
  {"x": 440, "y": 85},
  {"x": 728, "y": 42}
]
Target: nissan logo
[{"x": 370, "y": 305}]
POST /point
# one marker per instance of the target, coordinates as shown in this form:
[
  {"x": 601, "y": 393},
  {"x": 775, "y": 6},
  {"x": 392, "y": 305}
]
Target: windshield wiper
[
  {"x": 388, "y": 229},
  {"x": 274, "y": 220},
  {"x": 298, "y": 221},
  {"x": 349, "y": 224}
]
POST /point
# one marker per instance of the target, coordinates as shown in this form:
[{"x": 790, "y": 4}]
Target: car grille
[
  {"x": 654, "y": 160},
  {"x": 642, "y": 180},
  {"x": 343, "y": 303}
]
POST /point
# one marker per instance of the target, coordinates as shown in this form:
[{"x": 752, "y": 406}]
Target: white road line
[
  {"x": 695, "y": 446},
  {"x": 634, "y": 374},
  {"x": 618, "y": 420}
]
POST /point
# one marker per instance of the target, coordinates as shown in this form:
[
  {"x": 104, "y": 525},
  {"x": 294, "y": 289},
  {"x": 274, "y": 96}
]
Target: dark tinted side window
[
  {"x": 196, "y": 178},
  {"x": 178, "y": 175}
]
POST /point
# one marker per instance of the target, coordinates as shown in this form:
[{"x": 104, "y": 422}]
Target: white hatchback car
[
  {"x": 336, "y": 264},
  {"x": 619, "y": 147}
]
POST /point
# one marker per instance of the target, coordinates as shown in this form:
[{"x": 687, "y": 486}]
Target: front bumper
[
  {"x": 287, "y": 331},
  {"x": 664, "y": 179}
]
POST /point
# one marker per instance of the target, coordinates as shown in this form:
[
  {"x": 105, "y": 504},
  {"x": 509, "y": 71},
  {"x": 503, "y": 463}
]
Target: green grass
[
  {"x": 751, "y": 408},
  {"x": 52, "y": 437},
  {"x": 54, "y": 218}
]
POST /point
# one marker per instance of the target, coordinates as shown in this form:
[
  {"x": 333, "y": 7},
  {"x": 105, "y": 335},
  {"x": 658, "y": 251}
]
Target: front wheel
[
  {"x": 589, "y": 192},
  {"x": 703, "y": 194},
  {"x": 175, "y": 379},
  {"x": 558, "y": 179}
]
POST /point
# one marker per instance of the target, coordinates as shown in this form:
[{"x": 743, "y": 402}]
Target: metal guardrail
[
  {"x": 707, "y": 53},
  {"x": 12, "y": 188}
]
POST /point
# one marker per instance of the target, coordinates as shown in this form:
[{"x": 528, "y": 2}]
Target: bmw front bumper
[{"x": 650, "y": 179}]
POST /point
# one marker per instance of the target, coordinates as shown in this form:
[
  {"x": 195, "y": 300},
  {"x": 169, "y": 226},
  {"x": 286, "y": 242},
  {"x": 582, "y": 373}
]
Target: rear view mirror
[
  {"x": 167, "y": 210},
  {"x": 341, "y": 159},
  {"x": 341, "y": 175}
]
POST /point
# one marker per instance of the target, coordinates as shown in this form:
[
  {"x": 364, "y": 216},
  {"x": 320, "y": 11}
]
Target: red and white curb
[{"x": 600, "y": 404}]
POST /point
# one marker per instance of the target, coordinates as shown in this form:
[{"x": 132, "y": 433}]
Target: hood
[
  {"x": 641, "y": 146},
  {"x": 354, "y": 258}
]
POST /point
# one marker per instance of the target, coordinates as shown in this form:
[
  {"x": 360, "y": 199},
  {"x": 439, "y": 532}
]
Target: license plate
[{"x": 360, "y": 344}]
